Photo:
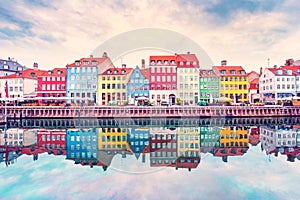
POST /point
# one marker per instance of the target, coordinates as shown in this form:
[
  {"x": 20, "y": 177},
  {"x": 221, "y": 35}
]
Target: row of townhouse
[{"x": 168, "y": 79}]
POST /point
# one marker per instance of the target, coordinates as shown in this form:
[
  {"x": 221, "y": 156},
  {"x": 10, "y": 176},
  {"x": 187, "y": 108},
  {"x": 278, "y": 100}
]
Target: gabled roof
[
  {"x": 169, "y": 59},
  {"x": 146, "y": 73},
  {"x": 228, "y": 69},
  {"x": 12, "y": 65},
  {"x": 117, "y": 71},
  {"x": 285, "y": 70},
  {"x": 87, "y": 62},
  {"x": 207, "y": 73},
  {"x": 187, "y": 58},
  {"x": 55, "y": 72},
  {"x": 28, "y": 73}
]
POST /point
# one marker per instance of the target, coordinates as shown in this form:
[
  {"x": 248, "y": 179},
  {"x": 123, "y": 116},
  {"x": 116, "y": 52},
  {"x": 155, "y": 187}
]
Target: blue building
[
  {"x": 138, "y": 86},
  {"x": 82, "y": 146},
  {"x": 82, "y": 79},
  {"x": 138, "y": 139}
]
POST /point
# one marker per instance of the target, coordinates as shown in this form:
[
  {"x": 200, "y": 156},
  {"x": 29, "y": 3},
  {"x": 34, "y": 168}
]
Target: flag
[{"x": 6, "y": 90}]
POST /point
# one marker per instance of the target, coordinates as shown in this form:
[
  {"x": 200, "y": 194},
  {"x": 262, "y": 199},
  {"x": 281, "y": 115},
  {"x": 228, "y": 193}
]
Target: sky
[{"x": 58, "y": 32}]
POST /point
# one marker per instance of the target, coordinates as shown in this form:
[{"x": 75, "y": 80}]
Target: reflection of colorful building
[
  {"x": 82, "y": 146},
  {"x": 138, "y": 139},
  {"x": 188, "y": 147},
  {"x": 232, "y": 136},
  {"x": 51, "y": 139},
  {"x": 233, "y": 142},
  {"x": 209, "y": 138},
  {"x": 13, "y": 137},
  {"x": 163, "y": 147},
  {"x": 254, "y": 135},
  {"x": 273, "y": 137}
]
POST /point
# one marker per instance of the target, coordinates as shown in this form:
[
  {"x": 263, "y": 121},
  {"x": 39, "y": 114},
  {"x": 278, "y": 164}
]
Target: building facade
[
  {"x": 233, "y": 82},
  {"x": 138, "y": 87},
  {"x": 112, "y": 86},
  {"x": 208, "y": 85},
  {"x": 52, "y": 84},
  {"x": 188, "y": 78},
  {"x": 82, "y": 80},
  {"x": 163, "y": 79}
]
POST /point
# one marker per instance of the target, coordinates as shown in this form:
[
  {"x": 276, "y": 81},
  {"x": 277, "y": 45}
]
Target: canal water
[{"x": 150, "y": 159}]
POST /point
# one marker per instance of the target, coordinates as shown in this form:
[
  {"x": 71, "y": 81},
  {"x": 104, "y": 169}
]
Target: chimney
[
  {"x": 104, "y": 55},
  {"x": 188, "y": 52},
  {"x": 224, "y": 62},
  {"x": 260, "y": 72},
  {"x": 35, "y": 65},
  {"x": 91, "y": 56},
  {"x": 123, "y": 65},
  {"x": 143, "y": 63},
  {"x": 289, "y": 62}
]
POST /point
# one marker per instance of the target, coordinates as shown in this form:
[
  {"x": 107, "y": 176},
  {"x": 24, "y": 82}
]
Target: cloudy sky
[{"x": 245, "y": 32}]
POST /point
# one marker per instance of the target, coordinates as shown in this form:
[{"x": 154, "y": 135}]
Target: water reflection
[{"x": 177, "y": 147}]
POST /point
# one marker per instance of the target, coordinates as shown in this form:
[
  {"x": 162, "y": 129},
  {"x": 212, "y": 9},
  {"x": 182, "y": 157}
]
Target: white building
[
  {"x": 279, "y": 83},
  {"x": 21, "y": 84}
]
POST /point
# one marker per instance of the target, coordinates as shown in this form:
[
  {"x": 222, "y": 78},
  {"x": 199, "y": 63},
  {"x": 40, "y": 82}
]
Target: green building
[
  {"x": 209, "y": 85},
  {"x": 209, "y": 138}
]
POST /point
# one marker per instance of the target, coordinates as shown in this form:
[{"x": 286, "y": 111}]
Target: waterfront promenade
[{"x": 18, "y": 112}]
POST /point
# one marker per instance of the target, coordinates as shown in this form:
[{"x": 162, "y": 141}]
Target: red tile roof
[
  {"x": 187, "y": 58},
  {"x": 295, "y": 70},
  {"x": 28, "y": 73},
  {"x": 146, "y": 73},
  {"x": 163, "y": 59},
  {"x": 55, "y": 72},
  {"x": 88, "y": 61},
  {"x": 213, "y": 74},
  {"x": 228, "y": 69},
  {"x": 117, "y": 71}
]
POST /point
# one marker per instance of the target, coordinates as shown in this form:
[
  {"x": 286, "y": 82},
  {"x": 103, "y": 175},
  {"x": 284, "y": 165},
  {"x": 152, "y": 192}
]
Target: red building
[
  {"x": 163, "y": 78},
  {"x": 52, "y": 84}
]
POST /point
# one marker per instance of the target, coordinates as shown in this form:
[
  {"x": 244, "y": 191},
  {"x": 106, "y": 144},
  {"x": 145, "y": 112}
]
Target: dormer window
[
  {"x": 210, "y": 72},
  {"x": 194, "y": 63},
  {"x": 233, "y": 72},
  {"x": 85, "y": 62},
  {"x": 59, "y": 72},
  {"x": 223, "y": 71},
  {"x": 159, "y": 62},
  {"x": 165, "y": 62},
  {"x": 94, "y": 62},
  {"x": 4, "y": 62},
  {"x": 32, "y": 74},
  {"x": 188, "y": 63},
  {"x": 77, "y": 63},
  {"x": 116, "y": 72},
  {"x": 152, "y": 62},
  {"x": 172, "y": 62},
  {"x": 288, "y": 72},
  {"x": 279, "y": 72},
  {"x": 49, "y": 72},
  {"x": 123, "y": 71},
  {"x": 5, "y": 66},
  {"x": 203, "y": 72},
  {"x": 19, "y": 68},
  {"x": 242, "y": 72},
  {"x": 108, "y": 72},
  {"x": 181, "y": 63}
]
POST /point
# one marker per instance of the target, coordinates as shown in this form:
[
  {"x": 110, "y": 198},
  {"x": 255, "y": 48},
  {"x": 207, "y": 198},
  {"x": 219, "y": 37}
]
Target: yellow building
[
  {"x": 112, "y": 139},
  {"x": 112, "y": 86},
  {"x": 233, "y": 82},
  {"x": 234, "y": 137},
  {"x": 188, "y": 143}
]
